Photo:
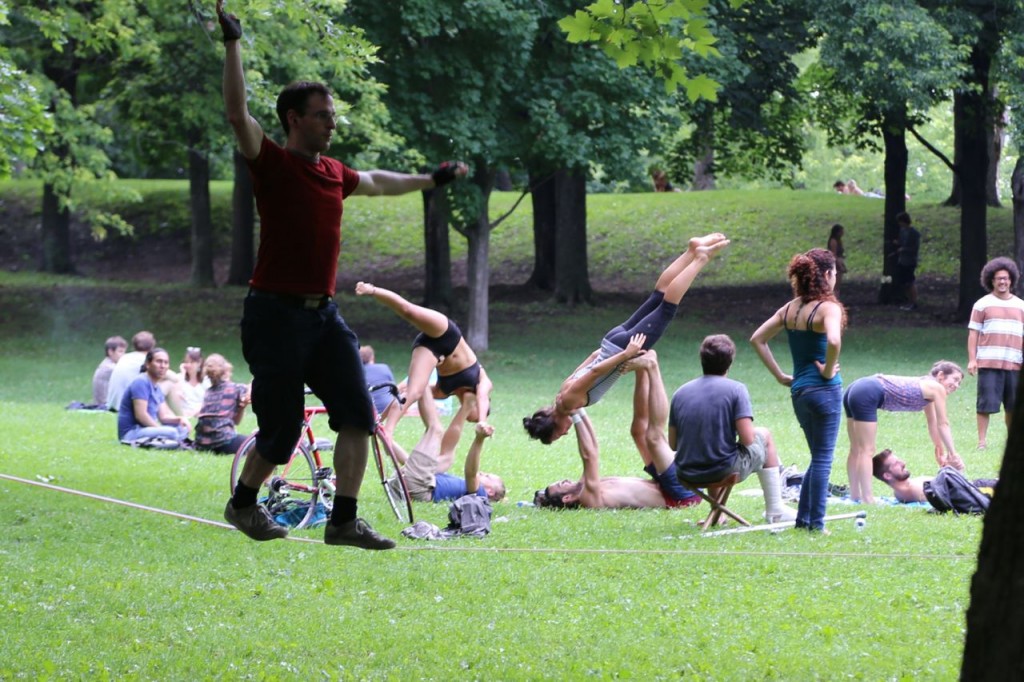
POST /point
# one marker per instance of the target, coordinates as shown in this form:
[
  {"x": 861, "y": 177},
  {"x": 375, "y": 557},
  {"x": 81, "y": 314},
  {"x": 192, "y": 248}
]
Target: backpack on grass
[{"x": 951, "y": 491}]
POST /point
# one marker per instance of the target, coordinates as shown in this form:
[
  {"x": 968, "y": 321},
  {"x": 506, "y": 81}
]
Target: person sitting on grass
[
  {"x": 867, "y": 395},
  {"x": 594, "y": 491},
  {"x": 893, "y": 471},
  {"x": 592, "y": 379},
  {"x": 114, "y": 348},
  {"x": 143, "y": 412},
  {"x": 128, "y": 368},
  {"x": 222, "y": 410},
  {"x": 425, "y": 469},
  {"x": 712, "y": 428}
]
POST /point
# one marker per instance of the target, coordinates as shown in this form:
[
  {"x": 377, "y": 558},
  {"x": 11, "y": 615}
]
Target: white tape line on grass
[
  {"x": 132, "y": 505},
  {"x": 496, "y": 550}
]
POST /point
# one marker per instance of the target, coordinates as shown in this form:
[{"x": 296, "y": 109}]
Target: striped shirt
[{"x": 1000, "y": 327}]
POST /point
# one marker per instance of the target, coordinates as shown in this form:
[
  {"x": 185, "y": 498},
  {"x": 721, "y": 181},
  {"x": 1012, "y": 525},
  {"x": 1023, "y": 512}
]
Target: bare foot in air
[
  {"x": 365, "y": 289},
  {"x": 707, "y": 240},
  {"x": 709, "y": 251}
]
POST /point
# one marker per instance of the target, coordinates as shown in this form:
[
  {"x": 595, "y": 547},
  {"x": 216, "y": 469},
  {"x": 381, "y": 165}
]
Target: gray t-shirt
[{"x": 704, "y": 413}]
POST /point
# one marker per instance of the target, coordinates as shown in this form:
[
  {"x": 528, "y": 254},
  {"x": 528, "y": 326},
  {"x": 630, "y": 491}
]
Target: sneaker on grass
[
  {"x": 356, "y": 533},
  {"x": 255, "y": 521}
]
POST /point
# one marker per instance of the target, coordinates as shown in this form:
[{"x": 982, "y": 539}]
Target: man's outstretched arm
[{"x": 390, "y": 183}]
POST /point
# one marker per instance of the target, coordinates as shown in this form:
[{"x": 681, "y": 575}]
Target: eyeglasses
[{"x": 324, "y": 116}]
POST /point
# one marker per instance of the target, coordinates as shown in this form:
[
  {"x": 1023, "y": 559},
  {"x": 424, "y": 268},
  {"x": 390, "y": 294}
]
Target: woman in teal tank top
[{"x": 814, "y": 321}]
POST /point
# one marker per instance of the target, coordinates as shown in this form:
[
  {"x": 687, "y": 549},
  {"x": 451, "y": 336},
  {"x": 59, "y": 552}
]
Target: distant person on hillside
[
  {"x": 839, "y": 186},
  {"x": 114, "y": 348},
  {"x": 222, "y": 410},
  {"x": 128, "y": 368},
  {"x": 661, "y": 182},
  {"x": 595, "y": 375},
  {"x": 995, "y": 343},
  {"x": 835, "y": 245},
  {"x": 908, "y": 246},
  {"x": 143, "y": 412}
]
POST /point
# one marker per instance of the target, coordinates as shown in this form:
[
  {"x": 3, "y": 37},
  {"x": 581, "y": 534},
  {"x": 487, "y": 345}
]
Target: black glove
[
  {"x": 230, "y": 26},
  {"x": 445, "y": 173}
]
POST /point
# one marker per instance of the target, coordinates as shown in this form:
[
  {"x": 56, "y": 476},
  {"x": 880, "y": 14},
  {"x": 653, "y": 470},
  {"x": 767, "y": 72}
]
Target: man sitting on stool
[{"x": 712, "y": 427}]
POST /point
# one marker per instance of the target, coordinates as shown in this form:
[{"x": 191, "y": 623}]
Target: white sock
[{"x": 771, "y": 487}]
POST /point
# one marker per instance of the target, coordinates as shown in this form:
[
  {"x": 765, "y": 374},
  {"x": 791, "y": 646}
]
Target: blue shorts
[
  {"x": 288, "y": 346},
  {"x": 863, "y": 398}
]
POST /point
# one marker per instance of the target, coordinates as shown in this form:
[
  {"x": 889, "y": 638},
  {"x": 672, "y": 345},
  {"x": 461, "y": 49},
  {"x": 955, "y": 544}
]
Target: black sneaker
[
  {"x": 356, "y": 533},
  {"x": 255, "y": 521}
]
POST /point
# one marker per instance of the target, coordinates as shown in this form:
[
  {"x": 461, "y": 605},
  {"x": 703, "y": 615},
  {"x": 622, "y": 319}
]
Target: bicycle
[{"x": 302, "y": 491}]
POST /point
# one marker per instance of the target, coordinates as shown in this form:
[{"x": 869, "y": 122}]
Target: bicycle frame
[{"x": 303, "y": 484}]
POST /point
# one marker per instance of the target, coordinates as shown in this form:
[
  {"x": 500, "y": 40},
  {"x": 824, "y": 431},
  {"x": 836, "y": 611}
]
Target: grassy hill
[{"x": 630, "y": 235}]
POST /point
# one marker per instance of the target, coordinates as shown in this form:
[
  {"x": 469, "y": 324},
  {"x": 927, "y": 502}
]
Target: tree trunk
[
  {"x": 243, "y": 225},
  {"x": 61, "y": 68},
  {"x": 996, "y": 139},
  {"x": 703, "y": 171},
  {"x": 973, "y": 169},
  {"x": 958, "y": 114},
  {"x": 995, "y": 619},
  {"x": 202, "y": 225},
  {"x": 478, "y": 273},
  {"x": 437, "y": 252},
  {"x": 572, "y": 283},
  {"x": 1017, "y": 185},
  {"x": 543, "y": 198},
  {"x": 704, "y": 166},
  {"x": 55, "y": 254},
  {"x": 894, "y": 136}
]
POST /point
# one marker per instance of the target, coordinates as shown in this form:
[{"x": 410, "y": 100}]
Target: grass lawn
[{"x": 91, "y": 589}]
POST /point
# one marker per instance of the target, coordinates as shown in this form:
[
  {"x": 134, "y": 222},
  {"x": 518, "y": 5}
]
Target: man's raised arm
[{"x": 247, "y": 131}]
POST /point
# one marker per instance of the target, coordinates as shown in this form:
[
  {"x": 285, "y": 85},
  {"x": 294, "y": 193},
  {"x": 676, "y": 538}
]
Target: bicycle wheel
[
  {"x": 391, "y": 477},
  {"x": 291, "y": 492}
]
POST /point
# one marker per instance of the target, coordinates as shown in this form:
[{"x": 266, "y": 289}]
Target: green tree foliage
[
  {"x": 23, "y": 117},
  {"x": 654, "y": 34},
  {"x": 755, "y": 127},
  {"x": 66, "y": 46},
  {"x": 453, "y": 70},
  {"x": 883, "y": 65}
]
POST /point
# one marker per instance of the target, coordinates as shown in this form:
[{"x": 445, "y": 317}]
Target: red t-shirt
[{"x": 300, "y": 207}]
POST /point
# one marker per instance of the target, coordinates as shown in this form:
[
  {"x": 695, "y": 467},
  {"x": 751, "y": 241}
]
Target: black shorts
[
  {"x": 996, "y": 387},
  {"x": 441, "y": 346},
  {"x": 288, "y": 346},
  {"x": 904, "y": 274}
]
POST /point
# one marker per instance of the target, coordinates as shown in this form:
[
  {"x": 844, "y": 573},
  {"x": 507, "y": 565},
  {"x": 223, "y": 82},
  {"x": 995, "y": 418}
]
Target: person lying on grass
[
  {"x": 893, "y": 471},
  {"x": 593, "y": 491},
  {"x": 425, "y": 469},
  {"x": 592, "y": 379}
]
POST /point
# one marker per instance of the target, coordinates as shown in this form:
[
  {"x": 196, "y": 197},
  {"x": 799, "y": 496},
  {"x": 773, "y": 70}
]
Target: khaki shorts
[
  {"x": 750, "y": 459},
  {"x": 419, "y": 475}
]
